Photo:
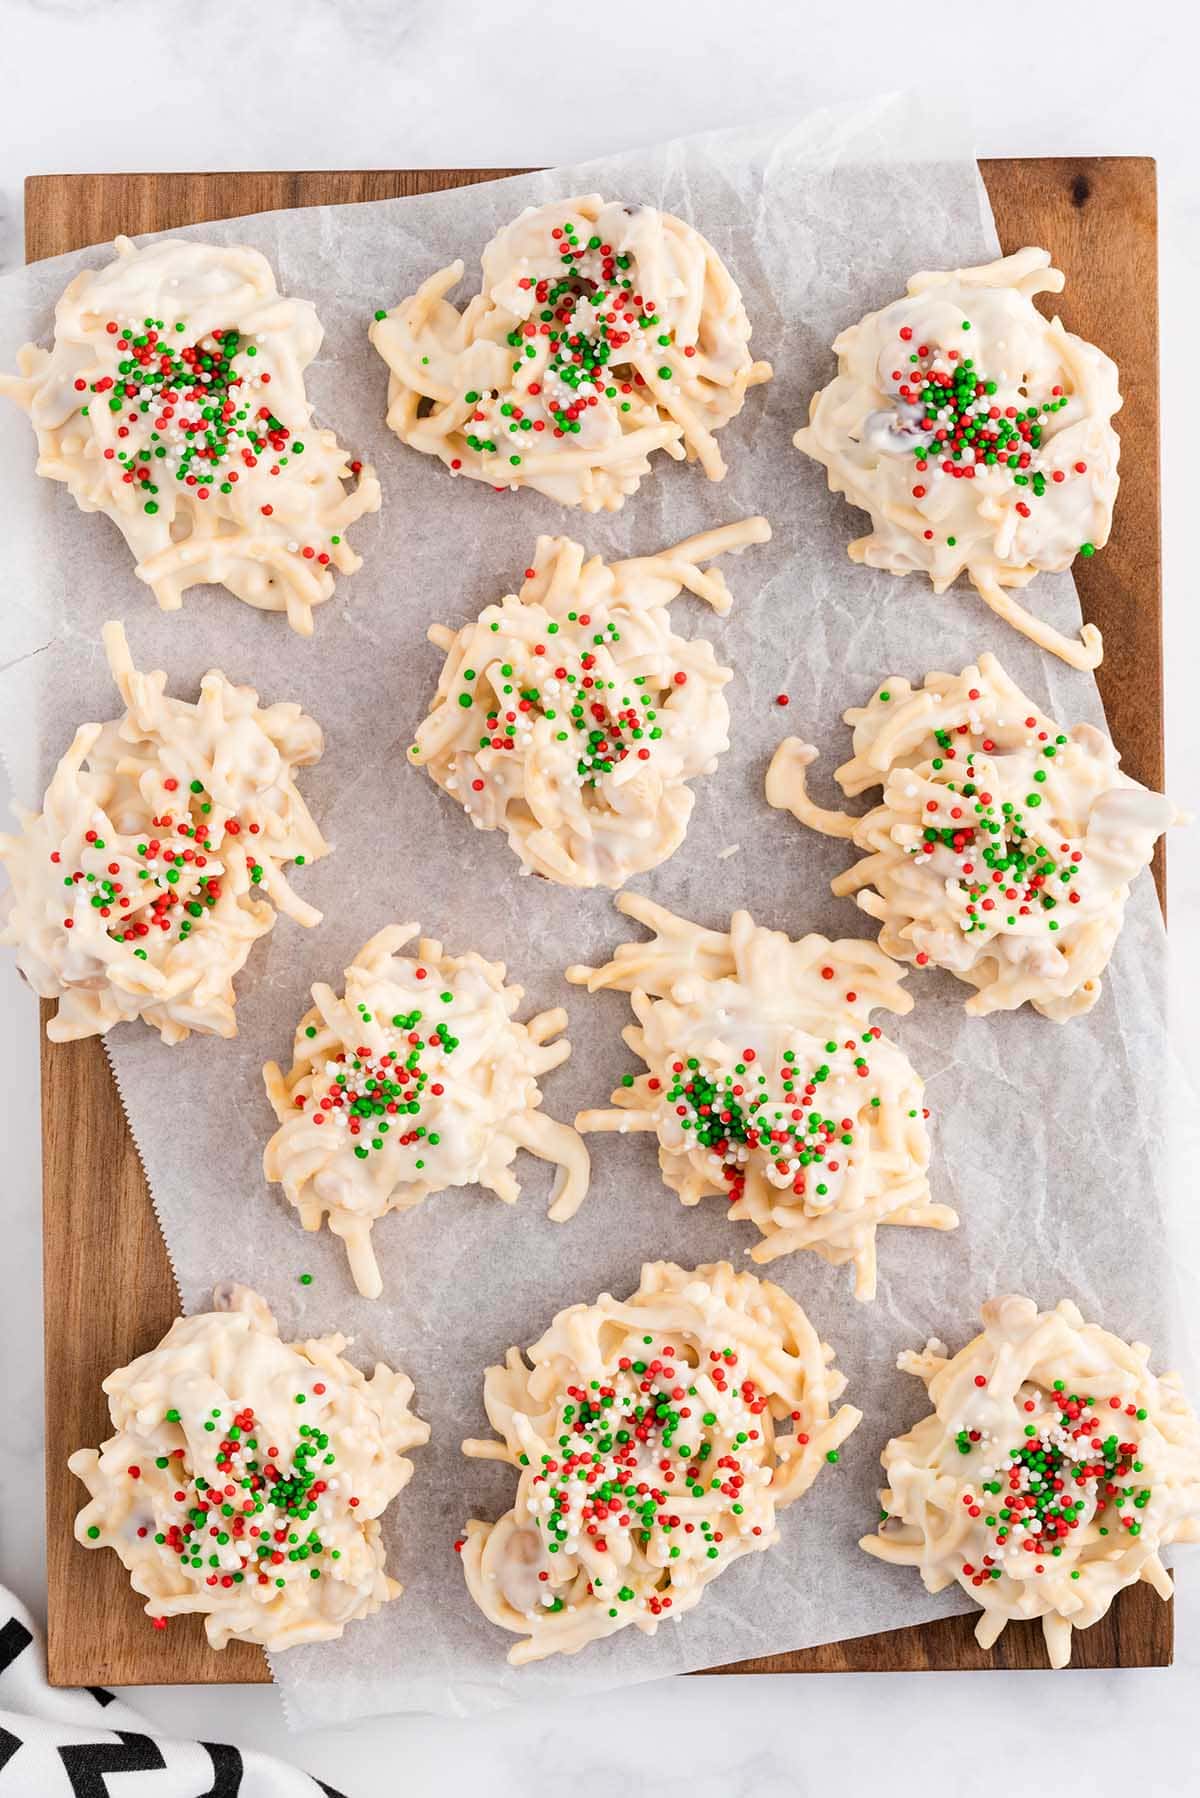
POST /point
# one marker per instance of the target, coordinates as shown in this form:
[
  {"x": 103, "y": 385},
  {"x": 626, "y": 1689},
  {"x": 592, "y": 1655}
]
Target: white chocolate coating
[
  {"x": 768, "y": 1085},
  {"x": 418, "y": 1078},
  {"x": 587, "y": 715},
  {"x": 558, "y": 375},
  {"x": 133, "y": 891},
  {"x": 236, "y": 486},
  {"x": 700, "y": 1473},
  {"x": 246, "y": 1477},
  {"x": 1038, "y": 1399},
  {"x": 1002, "y": 848},
  {"x": 1031, "y": 486}
]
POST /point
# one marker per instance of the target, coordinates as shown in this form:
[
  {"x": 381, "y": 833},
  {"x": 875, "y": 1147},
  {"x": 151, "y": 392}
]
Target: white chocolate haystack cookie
[
  {"x": 172, "y": 399},
  {"x": 978, "y": 435},
  {"x": 417, "y": 1078},
  {"x": 767, "y": 1085},
  {"x": 1002, "y": 847},
  {"x": 600, "y": 334},
  {"x": 1052, "y": 1469},
  {"x": 656, "y": 1438},
  {"x": 572, "y": 717},
  {"x": 245, "y": 1477},
  {"x": 157, "y": 859}
]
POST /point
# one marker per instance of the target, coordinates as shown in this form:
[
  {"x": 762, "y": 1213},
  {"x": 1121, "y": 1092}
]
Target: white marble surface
[{"x": 298, "y": 83}]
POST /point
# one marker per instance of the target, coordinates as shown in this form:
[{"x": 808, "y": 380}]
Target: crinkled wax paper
[{"x": 1046, "y": 1138}]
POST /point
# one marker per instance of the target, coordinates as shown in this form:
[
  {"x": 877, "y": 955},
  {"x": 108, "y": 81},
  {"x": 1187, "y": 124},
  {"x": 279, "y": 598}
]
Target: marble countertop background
[{"x": 395, "y": 83}]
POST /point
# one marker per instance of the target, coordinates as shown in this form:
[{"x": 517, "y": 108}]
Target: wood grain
[{"x": 109, "y": 1293}]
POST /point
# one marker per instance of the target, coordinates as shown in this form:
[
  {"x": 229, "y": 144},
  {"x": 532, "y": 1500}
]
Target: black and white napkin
[{"x": 57, "y": 1743}]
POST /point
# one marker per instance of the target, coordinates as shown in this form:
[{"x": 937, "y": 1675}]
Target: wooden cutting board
[{"x": 109, "y": 1294}]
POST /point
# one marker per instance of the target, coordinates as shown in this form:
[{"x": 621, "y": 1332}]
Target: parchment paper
[{"x": 1047, "y": 1139}]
